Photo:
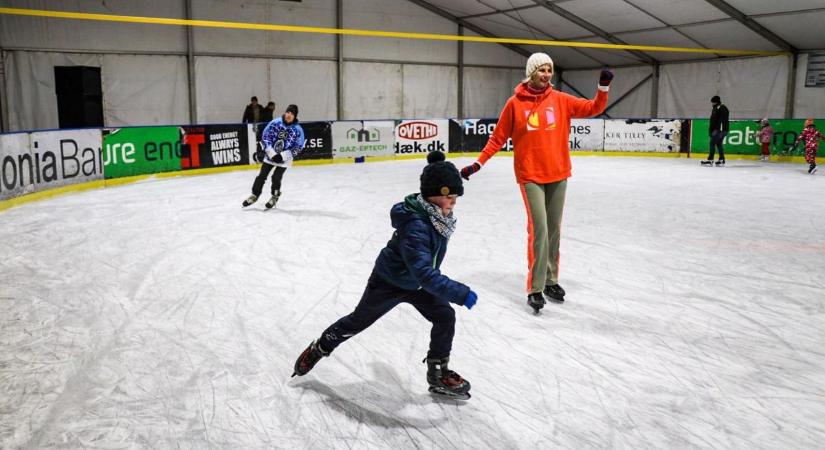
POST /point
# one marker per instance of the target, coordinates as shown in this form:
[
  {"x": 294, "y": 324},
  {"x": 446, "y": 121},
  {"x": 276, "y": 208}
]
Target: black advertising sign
[
  {"x": 206, "y": 146},
  {"x": 318, "y": 141},
  {"x": 474, "y": 134}
]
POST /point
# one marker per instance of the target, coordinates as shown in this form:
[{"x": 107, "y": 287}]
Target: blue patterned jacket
[{"x": 292, "y": 135}]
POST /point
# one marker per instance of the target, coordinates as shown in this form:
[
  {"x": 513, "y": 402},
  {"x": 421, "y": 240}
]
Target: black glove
[
  {"x": 469, "y": 170},
  {"x": 278, "y": 158},
  {"x": 606, "y": 77}
]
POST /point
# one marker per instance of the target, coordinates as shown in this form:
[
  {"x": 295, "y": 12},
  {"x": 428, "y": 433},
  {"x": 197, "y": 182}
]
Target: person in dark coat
[
  {"x": 254, "y": 112},
  {"x": 717, "y": 130},
  {"x": 269, "y": 112},
  {"x": 407, "y": 271}
]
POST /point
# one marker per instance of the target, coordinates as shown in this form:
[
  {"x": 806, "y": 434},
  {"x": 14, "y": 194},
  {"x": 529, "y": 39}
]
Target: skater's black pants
[
  {"x": 258, "y": 185},
  {"x": 716, "y": 139},
  {"x": 380, "y": 297}
]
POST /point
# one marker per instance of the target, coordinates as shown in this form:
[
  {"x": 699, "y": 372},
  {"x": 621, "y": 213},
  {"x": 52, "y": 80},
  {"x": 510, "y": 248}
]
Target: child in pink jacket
[{"x": 764, "y": 135}]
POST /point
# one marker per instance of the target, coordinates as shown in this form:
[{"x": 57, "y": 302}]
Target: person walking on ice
[
  {"x": 407, "y": 271},
  {"x": 283, "y": 139},
  {"x": 718, "y": 128},
  {"x": 537, "y": 118}
]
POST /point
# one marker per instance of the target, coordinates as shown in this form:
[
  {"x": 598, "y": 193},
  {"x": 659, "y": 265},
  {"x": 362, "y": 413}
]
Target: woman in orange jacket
[{"x": 537, "y": 118}]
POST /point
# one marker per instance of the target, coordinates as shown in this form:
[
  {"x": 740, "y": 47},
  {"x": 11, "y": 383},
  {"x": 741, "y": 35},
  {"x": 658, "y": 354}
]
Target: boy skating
[{"x": 407, "y": 271}]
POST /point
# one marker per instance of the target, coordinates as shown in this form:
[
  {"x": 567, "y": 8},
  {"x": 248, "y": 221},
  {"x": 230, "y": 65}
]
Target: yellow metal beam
[{"x": 370, "y": 33}]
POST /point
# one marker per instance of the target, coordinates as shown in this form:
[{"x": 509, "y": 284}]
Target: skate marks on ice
[
  {"x": 328, "y": 214},
  {"x": 382, "y": 401}
]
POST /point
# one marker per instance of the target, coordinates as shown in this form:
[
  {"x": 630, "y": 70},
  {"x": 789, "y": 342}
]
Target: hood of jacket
[
  {"x": 405, "y": 211},
  {"x": 522, "y": 93}
]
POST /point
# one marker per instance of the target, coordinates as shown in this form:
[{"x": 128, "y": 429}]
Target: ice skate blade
[{"x": 440, "y": 393}]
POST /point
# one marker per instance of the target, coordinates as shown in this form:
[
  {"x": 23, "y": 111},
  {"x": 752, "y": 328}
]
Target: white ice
[{"x": 163, "y": 315}]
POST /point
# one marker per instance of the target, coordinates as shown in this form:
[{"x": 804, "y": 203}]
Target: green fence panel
[
  {"x": 138, "y": 151},
  {"x": 742, "y": 140}
]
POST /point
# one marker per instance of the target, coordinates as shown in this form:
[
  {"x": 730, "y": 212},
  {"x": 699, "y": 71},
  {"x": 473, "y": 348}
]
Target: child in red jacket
[{"x": 811, "y": 136}]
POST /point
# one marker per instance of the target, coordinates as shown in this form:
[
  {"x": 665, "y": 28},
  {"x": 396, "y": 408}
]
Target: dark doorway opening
[{"x": 79, "y": 96}]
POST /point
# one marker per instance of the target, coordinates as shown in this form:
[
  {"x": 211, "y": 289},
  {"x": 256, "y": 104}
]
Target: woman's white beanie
[{"x": 535, "y": 61}]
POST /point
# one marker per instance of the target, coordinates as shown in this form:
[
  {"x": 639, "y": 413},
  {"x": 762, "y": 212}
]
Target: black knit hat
[
  {"x": 293, "y": 109},
  {"x": 440, "y": 177}
]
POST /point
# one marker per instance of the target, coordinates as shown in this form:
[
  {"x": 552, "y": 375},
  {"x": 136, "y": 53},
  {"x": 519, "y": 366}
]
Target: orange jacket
[{"x": 540, "y": 127}]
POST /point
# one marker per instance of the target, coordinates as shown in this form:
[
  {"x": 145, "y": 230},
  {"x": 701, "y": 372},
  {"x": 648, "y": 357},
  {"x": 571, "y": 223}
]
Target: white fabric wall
[
  {"x": 372, "y": 91},
  {"x": 314, "y": 13},
  {"x": 71, "y": 34},
  {"x": 225, "y": 85},
  {"x": 137, "y": 90},
  {"x": 491, "y": 54},
  {"x": 30, "y": 86},
  {"x": 144, "y": 90},
  {"x": 429, "y": 91},
  {"x": 751, "y": 88},
  {"x": 636, "y": 105},
  {"x": 486, "y": 90},
  {"x": 402, "y": 16},
  {"x": 808, "y": 102}
]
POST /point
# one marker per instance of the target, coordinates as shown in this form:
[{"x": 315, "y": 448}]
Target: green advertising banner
[
  {"x": 742, "y": 140},
  {"x": 140, "y": 150}
]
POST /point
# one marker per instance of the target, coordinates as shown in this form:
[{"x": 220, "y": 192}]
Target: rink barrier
[{"x": 41, "y": 164}]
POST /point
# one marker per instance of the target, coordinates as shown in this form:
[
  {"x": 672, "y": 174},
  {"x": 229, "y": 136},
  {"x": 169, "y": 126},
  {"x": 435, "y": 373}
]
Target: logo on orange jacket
[{"x": 534, "y": 120}]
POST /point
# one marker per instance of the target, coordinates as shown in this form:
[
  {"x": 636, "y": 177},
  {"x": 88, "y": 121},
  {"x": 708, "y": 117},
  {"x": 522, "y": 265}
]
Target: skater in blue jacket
[
  {"x": 283, "y": 139},
  {"x": 407, "y": 271}
]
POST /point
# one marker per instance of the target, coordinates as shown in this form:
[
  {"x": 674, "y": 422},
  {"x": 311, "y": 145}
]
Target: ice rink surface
[{"x": 161, "y": 314}]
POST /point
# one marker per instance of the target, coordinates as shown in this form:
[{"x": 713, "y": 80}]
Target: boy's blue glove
[{"x": 471, "y": 299}]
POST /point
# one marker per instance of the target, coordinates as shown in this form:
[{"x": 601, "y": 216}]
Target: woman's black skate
[
  {"x": 536, "y": 301},
  {"x": 308, "y": 359},
  {"x": 444, "y": 382},
  {"x": 555, "y": 293}
]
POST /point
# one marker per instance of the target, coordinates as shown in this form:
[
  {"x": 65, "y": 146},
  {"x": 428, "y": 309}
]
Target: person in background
[
  {"x": 407, "y": 271},
  {"x": 765, "y": 135},
  {"x": 269, "y": 112},
  {"x": 717, "y": 130},
  {"x": 253, "y": 112},
  {"x": 537, "y": 118},
  {"x": 283, "y": 139},
  {"x": 811, "y": 136}
]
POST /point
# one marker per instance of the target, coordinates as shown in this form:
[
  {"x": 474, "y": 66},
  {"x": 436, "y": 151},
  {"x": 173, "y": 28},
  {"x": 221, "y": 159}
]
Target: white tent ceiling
[{"x": 765, "y": 25}]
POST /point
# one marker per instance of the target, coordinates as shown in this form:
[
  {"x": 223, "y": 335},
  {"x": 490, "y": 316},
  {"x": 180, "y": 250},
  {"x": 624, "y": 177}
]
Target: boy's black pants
[
  {"x": 380, "y": 297},
  {"x": 258, "y": 185}
]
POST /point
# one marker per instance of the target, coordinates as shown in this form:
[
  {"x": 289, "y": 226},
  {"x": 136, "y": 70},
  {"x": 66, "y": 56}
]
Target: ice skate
[
  {"x": 444, "y": 382},
  {"x": 536, "y": 301},
  {"x": 555, "y": 293},
  {"x": 812, "y": 169},
  {"x": 308, "y": 359},
  {"x": 250, "y": 200},
  {"x": 273, "y": 200},
  {"x": 719, "y": 163},
  {"x": 706, "y": 162}
]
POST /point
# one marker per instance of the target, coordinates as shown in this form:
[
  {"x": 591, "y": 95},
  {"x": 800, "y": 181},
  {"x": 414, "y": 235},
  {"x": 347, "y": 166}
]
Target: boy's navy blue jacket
[{"x": 412, "y": 258}]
